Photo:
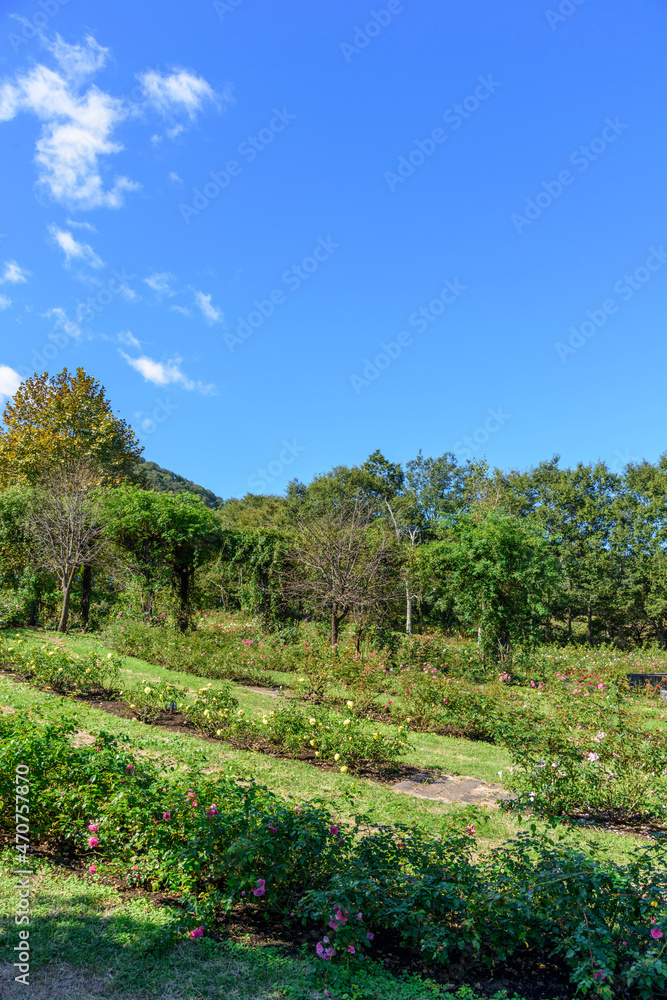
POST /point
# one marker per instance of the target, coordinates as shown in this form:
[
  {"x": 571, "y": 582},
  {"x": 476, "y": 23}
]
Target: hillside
[{"x": 165, "y": 481}]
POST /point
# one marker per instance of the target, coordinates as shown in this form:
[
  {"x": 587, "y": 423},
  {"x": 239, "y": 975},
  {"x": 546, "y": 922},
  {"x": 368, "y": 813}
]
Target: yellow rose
[{"x": 337, "y": 756}]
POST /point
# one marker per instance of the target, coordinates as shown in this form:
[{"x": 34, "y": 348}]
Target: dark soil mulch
[{"x": 177, "y": 722}]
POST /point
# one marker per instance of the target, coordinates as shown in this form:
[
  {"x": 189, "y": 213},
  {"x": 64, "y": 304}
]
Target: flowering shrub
[
  {"x": 65, "y": 672},
  {"x": 332, "y": 737},
  {"x": 213, "y": 711},
  {"x": 220, "y": 843},
  {"x": 593, "y": 758},
  {"x": 152, "y": 700}
]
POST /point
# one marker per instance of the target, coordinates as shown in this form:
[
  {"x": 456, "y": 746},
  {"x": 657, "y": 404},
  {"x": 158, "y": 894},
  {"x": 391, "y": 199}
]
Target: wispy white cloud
[
  {"x": 164, "y": 373},
  {"x": 79, "y": 121},
  {"x": 159, "y": 282},
  {"x": 127, "y": 338},
  {"x": 12, "y": 274},
  {"x": 180, "y": 309},
  {"x": 77, "y": 125},
  {"x": 9, "y": 382},
  {"x": 174, "y": 178},
  {"x": 178, "y": 92},
  {"x": 74, "y": 250},
  {"x": 210, "y": 313},
  {"x": 77, "y": 61},
  {"x": 5, "y": 302},
  {"x": 61, "y": 321},
  {"x": 73, "y": 224}
]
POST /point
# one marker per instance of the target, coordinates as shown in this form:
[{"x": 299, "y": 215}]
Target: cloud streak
[
  {"x": 210, "y": 313},
  {"x": 163, "y": 373},
  {"x": 74, "y": 250},
  {"x": 12, "y": 274}
]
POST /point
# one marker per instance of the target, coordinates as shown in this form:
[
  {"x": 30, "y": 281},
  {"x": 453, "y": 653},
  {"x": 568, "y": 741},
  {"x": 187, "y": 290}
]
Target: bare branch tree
[
  {"x": 343, "y": 562},
  {"x": 64, "y": 525},
  {"x": 412, "y": 534}
]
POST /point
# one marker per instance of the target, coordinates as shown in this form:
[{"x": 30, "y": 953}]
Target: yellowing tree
[{"x": 61, "y": 420}]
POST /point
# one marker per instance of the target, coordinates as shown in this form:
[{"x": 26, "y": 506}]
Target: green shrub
[
  {"x": 591, "y": 756},
  {"x": 65, "y": 672},
  {"x": 152, "y": 700},
  {"x": 344, "y": 741}
]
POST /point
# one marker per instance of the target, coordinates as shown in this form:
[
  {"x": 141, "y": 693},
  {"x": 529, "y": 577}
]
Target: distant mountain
[{"x": 164, "y": 481}]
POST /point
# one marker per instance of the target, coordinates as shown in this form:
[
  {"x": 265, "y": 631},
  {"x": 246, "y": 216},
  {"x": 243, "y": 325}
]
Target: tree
[
  {"x": 64, "y": 526},
  {"x": 167, "y": 534},
  {"x": 59, "y": 421},
  {"x": 344, "y": 562},
  {"x": 501, "y": 574},
  {"x": 64, "y": 418}
]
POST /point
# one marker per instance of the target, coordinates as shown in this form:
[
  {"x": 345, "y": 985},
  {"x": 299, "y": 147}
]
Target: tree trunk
[
  {"x": 569, "y": 624},
  {"x": 184, "y": 589},
  {"x": 408, "y": 608},
  {"x": 334, "y": 624},
  {"x": 589, "y": 630},
  {"x": 64, "y": 611},
  {"x": 86, "y": 590},
  {"x": 148, "y": 603}
]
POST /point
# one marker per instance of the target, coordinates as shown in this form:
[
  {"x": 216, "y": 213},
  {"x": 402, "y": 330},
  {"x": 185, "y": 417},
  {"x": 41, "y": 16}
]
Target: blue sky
[{"x": 284, "y": 235}]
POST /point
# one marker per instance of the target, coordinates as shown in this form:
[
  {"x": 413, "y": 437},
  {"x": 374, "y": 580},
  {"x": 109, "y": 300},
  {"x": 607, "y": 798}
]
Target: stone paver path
[{"x": 448, "y": 788}]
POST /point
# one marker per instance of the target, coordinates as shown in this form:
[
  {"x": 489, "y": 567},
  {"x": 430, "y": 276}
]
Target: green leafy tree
[
  {"x": 168, "y": 536},
  {"x": 501, "y": 575},
  {"x": 61, "y": 419}
]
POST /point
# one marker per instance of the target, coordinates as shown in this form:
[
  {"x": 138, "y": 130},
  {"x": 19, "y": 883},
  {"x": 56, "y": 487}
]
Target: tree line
[{"x": 547, "y": 554}]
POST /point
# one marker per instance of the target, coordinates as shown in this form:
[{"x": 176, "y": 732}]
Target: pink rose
[
  {"x": 93, "y": 827},
  {"x": 333, "y": 830},
  {"x": 197, "y": 932},
  {"x": 92, "y": 869},
  {"x": 370, "y": 936},
  {"x": 261, "y": 888},
  {"x": 166, "y": 815},
  {"x": 273, "y": 829},
  {"x": 350, "y": 948},
  {"x": 656, "y": 933},
  {"x": 129, "y": 769},
  {"x": 93, "y": 841}
]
